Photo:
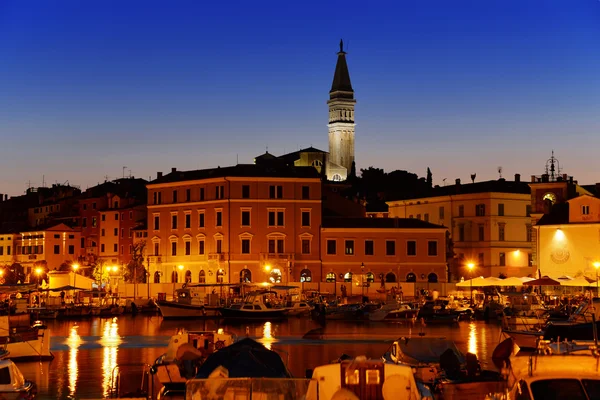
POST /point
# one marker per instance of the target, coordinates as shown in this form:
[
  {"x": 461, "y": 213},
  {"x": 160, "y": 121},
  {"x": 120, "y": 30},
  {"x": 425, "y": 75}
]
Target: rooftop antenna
[
  {"x": 237, "y": 158},
  {"x": 43, "y": 180},
  {"x": 500, "y": 172},
  {"x": 444, "y": 180},
  {"x": 28, "y": 183},
  {"x": 106, "y": 177},
  {"x": 553, "y": 168},
  {"x": 130, "y": 173},
  {"x": 267, "y": 149},
  {"x": 124, "y": 168},
  {"x": 473, "y": 176}
]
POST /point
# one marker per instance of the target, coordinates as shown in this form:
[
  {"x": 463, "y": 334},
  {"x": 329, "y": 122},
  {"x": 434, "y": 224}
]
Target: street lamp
[
  {"x": 362, "y": 279},
  {"x": 470, "y": 266},
  {"x": 38, "y": 272},
  {"x": 75, "y": 268},
  {"x": 597, "y": 265}
]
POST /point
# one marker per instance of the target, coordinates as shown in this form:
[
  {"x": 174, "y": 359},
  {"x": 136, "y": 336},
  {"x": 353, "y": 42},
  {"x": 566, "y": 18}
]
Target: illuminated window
[
  {"x": 348, "y": 277},
  {"x": 330, "y": 277},
  {"x": 372, "y": 377},
  {"x": 352, "y": 377}
]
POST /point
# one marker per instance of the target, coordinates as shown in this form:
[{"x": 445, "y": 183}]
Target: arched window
[
  {"x": 348, "y": 277},
  {"x": 411, "y": 277},
  {"x": 202, "y": 277},
  {"x": 317, "y": 163},
  {"x": 370, "y": 277},
  {"x": 275, "y": 276},
  {"x": 432, "y": 278},
  {"x": 336, "y": 178},
  {"x": 220, "y": 276},
  {"x": 245, "y": 276},
  {"x": 305, "y": 275},
  {"x": 390, "y": 277},
  {"x": 188, "y": 276},
  {"x": 330, "y": 277},
  {"x": 157, "y": 277},
  {"x": 174, "y": 276}
]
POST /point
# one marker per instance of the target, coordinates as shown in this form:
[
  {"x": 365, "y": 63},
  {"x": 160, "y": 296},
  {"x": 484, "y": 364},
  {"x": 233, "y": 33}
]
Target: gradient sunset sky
[{"x": 87, "y": 87}]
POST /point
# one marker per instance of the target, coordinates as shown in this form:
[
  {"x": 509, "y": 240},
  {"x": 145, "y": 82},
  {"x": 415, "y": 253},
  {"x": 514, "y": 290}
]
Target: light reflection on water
[{"x": 87, "y": 354}]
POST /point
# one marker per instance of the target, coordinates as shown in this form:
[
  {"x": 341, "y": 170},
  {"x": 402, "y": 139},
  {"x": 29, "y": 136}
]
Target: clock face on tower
[{"x": 551, "y": 197}]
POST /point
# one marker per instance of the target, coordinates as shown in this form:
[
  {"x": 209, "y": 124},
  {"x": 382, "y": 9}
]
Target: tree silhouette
[{"x": 135, "y": 271}]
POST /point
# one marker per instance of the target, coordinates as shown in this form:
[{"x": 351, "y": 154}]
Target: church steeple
[{"x": 341, "y": 116}]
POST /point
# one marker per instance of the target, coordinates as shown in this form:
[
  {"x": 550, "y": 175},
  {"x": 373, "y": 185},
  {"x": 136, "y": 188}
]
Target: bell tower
[{"x": 341, "y": 115}]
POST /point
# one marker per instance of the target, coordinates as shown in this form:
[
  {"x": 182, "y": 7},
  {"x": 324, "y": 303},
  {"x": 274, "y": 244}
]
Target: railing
[
  {"x": 217, "y": 256},
  {"x": 248, "y": 388},
  {"x": 277, "y": 256}
]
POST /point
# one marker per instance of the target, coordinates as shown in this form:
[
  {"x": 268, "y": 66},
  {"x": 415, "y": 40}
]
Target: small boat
[
  {"x": 13, "y": 385},
  {"x": 361, "y": 378},
  {"x": 23, "y": 342},
  {"x": 256, "y": 305},
  {"x": 568, "y": 370},
  {"x": 189, "y": 303},
  {"x": 299, "y": 308},
  {"x": 436, "y": 312},
  {"x": 393, "y": 312},
  {"x": 187, "y": 350}
]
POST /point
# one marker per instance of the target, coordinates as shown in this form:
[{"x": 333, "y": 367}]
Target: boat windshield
[{"x": 555, "y": 389}]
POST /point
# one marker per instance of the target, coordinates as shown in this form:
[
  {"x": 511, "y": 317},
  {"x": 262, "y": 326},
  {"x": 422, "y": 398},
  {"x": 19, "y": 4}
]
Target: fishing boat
[
  {"x": 262, "y": 305},
  {"x": 438, "y": 312},
  {"x": 567, "y": 370},
  {"x": 190, "y": 302},
  {"x": 394, "y": 312},
  {"x": 13, "y": 385}
]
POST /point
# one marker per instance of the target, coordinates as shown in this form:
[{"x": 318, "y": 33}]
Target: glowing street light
[
  {"x": 38, "y": 272},
  {"x": 471, "y": 266}
]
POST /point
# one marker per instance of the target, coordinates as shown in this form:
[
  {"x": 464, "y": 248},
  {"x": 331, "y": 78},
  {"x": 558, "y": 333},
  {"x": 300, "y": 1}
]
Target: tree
[
  {"x": 429, "y": 178},
  {"x": 100, "y": 272},
  {"x": 135, "y": 270},
  {"x": 352, "y": 175}
]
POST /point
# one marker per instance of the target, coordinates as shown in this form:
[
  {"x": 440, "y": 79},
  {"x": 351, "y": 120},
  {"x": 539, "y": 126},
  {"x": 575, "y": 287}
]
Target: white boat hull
[{"x": 31, "y": 350}]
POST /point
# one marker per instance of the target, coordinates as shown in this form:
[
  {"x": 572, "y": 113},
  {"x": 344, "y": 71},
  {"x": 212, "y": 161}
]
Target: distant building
[{"x": 489, "y": 224}]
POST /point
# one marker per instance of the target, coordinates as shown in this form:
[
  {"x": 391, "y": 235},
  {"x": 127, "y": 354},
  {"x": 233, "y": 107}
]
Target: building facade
[
  {"x": 234, "y": 224},
  {"x": 489, "y": 223}
]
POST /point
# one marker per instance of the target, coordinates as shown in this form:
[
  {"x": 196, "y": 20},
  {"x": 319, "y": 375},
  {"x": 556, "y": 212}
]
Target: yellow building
[
  {"x": 7, "y": 248},
  {"x": 488, "y": 221},
  {"x": 568, "y": 238}
]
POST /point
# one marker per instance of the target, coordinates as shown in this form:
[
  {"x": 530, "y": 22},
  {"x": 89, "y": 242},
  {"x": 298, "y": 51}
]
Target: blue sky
[{"x": 458, "y": 86}]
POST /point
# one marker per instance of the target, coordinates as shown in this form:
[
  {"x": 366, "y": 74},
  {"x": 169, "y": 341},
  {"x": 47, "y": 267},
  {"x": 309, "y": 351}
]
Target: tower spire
[{"x": 341, "y": 87}]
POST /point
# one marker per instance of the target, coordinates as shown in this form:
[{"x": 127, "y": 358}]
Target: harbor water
[{"x": 87, "y": 351}]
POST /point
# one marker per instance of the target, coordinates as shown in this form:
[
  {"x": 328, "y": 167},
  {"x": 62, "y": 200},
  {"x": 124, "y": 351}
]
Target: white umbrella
[
  {"x": 513, "y": 281},
  {"x": 576, "y": 282},
  {"x": 526, "y": 279},
  {"x": 475, "y": 282}
]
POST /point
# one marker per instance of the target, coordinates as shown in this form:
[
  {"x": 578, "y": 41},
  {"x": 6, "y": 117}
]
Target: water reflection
[
  {"x": 473, "y": 338},
  {"x": 74, "y": 341},
  {"x": 110, "y": 341},
  {"x": 267, "y": 338}
]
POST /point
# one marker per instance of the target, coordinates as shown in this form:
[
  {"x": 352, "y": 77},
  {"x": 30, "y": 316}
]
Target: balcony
[
  {"x": 155, "y": 259},
  {"x": 32, "y": 257},
  {"x": 277, "y": 256},
  {"x": 217, "y": 256}
]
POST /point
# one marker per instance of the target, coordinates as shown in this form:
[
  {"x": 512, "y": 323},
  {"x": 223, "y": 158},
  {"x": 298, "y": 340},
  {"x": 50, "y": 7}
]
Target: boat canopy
[
  {"x": 424, "y": 350},
  {"x": 17, "y": 381}
]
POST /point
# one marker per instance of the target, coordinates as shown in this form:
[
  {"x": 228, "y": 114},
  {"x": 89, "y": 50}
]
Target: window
[
  {"x": 245, "y": 191},
  {"x": 173, "y": 248},
  {"x": 528, "y": 210},
  {"x": 156, "y": 249},
  {"x": 411, "y": 248},
  {"x": 201, "y": 194},
  {"x": 173, "y": 221},
  {"x": 390, "y": 248},
  {"x": 156, "y": 222},
  {"x": 116, "y": 204},
  {"x": 1, "y": 250},
  {"x": 201, "y": 220},
  {"x": 219, "y": 192},
  {"x": 103, "y": 217},
  {"x": 94, "y": 222},
  {"x": 418, "y": 216},
  {"x": 305, "y": 246},
  {"x": 432, "y": 278},
  {"x": 501, "y": 209},
  {"x": 529, "y": 232},
  {"x": 501, "y": 231},
  {"x": 245, "y": 246},
  {"x": 441, "y": 212},
  {"x": 426, "y": 217},
  {"x": 558, "y": 389},
  {"x": 188, "y": 221},
  {"x": 115, "y": 248},
  {"x": 461, "y": 211},
  {"x": 159, "y": 197},
  {"x": 275, "y": 192},
  {"x": 201, "y": 247},
  {"x": 154, "y": 198},
  {"x": 202, "y": 277},
  {"x": 8, "y": 250},
  {"x": 390, "y": 277},
  {"x": 480, "y": 210},
  {"x": 245, "y": 218},
  {"x": 219, "y": 246},
  {"x": 102, "y": 232},
  {"x": 502, "y": 259},
  {"x": 432, "y": 248},
  {"x": 123, "y": 217},
  {"x": 82, "y": 243},
  {"x": 585, "y": 210},
  {"x": 461, "y": 233},
  {"x": 84, "y": 207},
  {"x": 116, "y": 216},
  {"x": 219, "y": 218},
  {"x": 276, "y": 245},
  {"x": 115, "y": 231},
  {"x": 305, "y": 192},
  {"x": 84, "y": 222},
  {"x": 188, "y": 194},
  {"x": 330, "y": 277},
  {"x": 411, "y": 277},
  {"x": 481, "y": 229},
  {"x": 280, "y": 218},
  {"x": 101, "y": 248},
  {"x": 348, "y": 277},
  {"x": 349, "y": 246},
  {"x": 305, "y": 218},
  {"x": 280, "y": 244},
  {"x": 369, "y": 250},
  {"x": 276, "y": 218},
  {"x": 481, "y": 260},
  {"x": 331, "y": 247},
  {"x": 188, "y": 248},
  {"x": 93, "y": 206}
]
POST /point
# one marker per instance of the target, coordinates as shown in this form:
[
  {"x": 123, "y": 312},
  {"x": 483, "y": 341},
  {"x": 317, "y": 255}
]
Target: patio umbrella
[
  {"x": 492, "y": 280},
  {"x": 575, "y": 282},
  {"x": 543, "y": 281},
  {"x": 513, "y": 281},
  {"x": 476, "y": 282}
]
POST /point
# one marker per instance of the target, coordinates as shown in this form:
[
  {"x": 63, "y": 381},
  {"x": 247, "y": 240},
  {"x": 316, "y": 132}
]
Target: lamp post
[
  {"x": 597, "y": 265},
  {"x": 362, "y": 279},
  {"x": 470, "y": 266},
  {"x": 75, "y": 268},
  {"x": 38, "y": 272},
  {"x": 175, "y": 277}
]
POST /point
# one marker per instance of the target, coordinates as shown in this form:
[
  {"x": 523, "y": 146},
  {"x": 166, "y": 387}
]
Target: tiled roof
[
  {"x": 381, "y": 223},
  {"x": 240, "y": 170},
  {"x": 558, "y": 216},
  {"x": 498, "y": 186}
]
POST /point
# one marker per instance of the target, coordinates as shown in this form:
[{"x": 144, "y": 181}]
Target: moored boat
[
  {"x": 393, "y": 312},
  {"x": 22, "y": 341},
  {"x": 256, "y": 305},
  {"x": 189, "y": 303},
  {"x": 13, "y": 385}
]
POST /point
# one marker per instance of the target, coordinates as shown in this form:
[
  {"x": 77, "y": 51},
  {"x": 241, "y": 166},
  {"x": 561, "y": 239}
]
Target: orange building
[
  {"x": 241, "y": 223},
  {"x": 372, "y": 250}
]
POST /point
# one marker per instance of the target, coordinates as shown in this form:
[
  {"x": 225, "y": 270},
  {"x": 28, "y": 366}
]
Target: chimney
[
  {"x": 158, "y": 175},
  {"x": 173, "y": 170},
  {"x": 517, "y": 177},
  {"x": 457, "y": 181},
  {"x": 1, "y": 197}
]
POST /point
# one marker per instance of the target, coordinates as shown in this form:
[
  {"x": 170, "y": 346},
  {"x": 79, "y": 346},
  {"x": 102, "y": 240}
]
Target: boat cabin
[{"x": 12, "y": 380}]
